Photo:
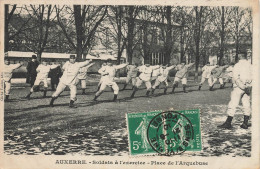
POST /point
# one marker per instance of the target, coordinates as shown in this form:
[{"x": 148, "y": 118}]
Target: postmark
[
  {"x": 170, "y": 133},
  {"x": 164, "y": 133}
]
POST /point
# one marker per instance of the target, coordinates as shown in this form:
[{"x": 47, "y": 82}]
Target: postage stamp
[{"x": 164, "y": 133}]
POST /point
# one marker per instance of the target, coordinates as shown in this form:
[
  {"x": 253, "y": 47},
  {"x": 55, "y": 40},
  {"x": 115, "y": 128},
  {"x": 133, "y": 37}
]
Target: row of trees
[{"x": 190, "y": 31}]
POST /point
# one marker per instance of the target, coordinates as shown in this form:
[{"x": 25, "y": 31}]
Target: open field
[{"x": 99, "y": 128}]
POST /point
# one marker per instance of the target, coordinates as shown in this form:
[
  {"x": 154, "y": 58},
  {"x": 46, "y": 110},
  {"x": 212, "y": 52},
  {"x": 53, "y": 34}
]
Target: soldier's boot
[
  {"x": 211, "y": 88},
  {"x": 83, "y": 91},
  {"x": 152, "y": 92},
  {"x": 244, "y": 125},
  {"x": 52, "y": 101},
  {"x": 134, "y": 90},
  {"x": 28, "y": 96},
  {"x": 227, "y": 123},
  {"x": 165, "y": 90},
  {"x": 6, "y": 97},
  {"x": 115, "y": 98},
  {"x": 199, "y": 87},
  {"x": 184, "y": 89},
  {"x": 44, "y": 93},
  {"x": 222, "y": 86},
  {"x": 173, "y": 88},
  {"x": 147, "y": 92},
  {"x": 124, "y": 87},
  {"x": 72, "y": 105}
]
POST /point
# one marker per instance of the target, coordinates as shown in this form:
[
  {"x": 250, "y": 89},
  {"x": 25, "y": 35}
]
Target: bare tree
[
  {"x": 85, "y": 19},
  {"x": 8, "y": 16}
]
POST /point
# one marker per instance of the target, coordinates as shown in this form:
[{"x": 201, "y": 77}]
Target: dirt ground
[{"x": 99, "y": 128}]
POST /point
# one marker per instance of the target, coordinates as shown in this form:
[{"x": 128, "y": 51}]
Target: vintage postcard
[{"x": 129, "y": 84}]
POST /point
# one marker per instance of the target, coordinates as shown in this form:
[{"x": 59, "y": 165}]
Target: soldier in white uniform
[
  {"x": 7, "y": 76},
  {"x": 108, "y": 72},
  {"x": 181, "y": 75},
  {"x": 70, "y": 79},
  {"x": 162, "y": 78},
  {"x": 42, "y": 75},
  {"x": 155, "y": 75},
  {"x": 217, "y": 75},
  {"x": 145, "y": 76},
  {"x": 242, "y": 75},
  {"x": 132, "y": 71},
  {"x": 102, "y": 77},
  {"x": 82, "y": 76},
  {"x": 229, "y": 74},
  {"x": 206, "y": 74}
]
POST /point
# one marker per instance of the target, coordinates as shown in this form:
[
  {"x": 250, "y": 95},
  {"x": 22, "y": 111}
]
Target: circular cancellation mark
[{"x": 170, "y": 133}]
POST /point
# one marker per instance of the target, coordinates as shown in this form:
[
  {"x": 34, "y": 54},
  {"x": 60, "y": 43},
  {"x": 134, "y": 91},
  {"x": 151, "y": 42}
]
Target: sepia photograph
[{"x": 129, "y": 81}]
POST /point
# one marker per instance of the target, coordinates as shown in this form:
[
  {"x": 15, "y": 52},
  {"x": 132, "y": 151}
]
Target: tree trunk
[
  {"x": 222, "y": 35},
  {"x": 168, "y": 45},
  {"x": 79, "y": 30},
  {"x": 197, "y": 32},
  {"x": 130, "y": 34},
  {"x": 6, "y": 48}
]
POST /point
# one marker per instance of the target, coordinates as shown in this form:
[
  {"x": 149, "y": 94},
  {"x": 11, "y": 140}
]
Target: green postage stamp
[{"x": 164, "y": 133}]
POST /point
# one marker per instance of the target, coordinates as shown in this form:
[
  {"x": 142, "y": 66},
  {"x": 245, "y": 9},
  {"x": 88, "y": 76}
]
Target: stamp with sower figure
[{"x": 164, "y": 133}]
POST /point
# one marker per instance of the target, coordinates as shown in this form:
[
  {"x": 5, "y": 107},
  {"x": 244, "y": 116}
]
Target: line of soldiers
[{"x": 75, "y": 72}]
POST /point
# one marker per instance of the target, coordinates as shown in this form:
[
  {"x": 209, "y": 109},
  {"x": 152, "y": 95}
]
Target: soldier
[
  {"x": 217, "y": 74},
  {"x": 145, "y": 76},
  {"x": 7, "y": 76},
  {"x": 31, "y": 70},
  {"x": 155, "y": 75},
  {"x": 108, "y": 72},
  {"x": 163, "y": 77},
  {"x": 102, "y": 77},
  {"x": 229, "y": 74},
  {"x": 206, "y": 74},
  {"x": 69, "y": 78},
  {"x": 132, "y": 71},
  {"x": 181, "y": 75},
  {"x": 82, "y": 76},
  {"x": 42, "y": 75},
  {"x": 242, "y": 76}
]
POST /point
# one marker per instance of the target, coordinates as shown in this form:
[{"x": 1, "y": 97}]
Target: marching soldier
[
  {"x": 217, "y": 74},
  {"x": 163, "y": 77},
  {"x": 181, "y": 75},
  {"x": 132, "y": 71},
  {"x": 108, "y": 72},
  {"x": 69, "y": 78},
  {"x": 42, "y": 75},
  {"x": 8, "y": 72},
  {"x": 82, "y": 76},
  {"x": 242, "y": 75},
  {"x": 145, "y": 76},
  {"x": 206, "y": 74}
]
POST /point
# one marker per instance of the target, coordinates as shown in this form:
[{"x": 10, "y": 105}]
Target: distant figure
[
  {"x": 55, "y": 75},
  {"x": 82, "y": 76},
  {"x": 181, "y": 75},
  {"x": 31, "y": 70},
  {"x": 132, "y": 71},
  {"x": 42, "y": 75}
]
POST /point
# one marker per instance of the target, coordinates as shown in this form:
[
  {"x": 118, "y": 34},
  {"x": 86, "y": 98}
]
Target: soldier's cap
[
  {"x": 109, "y": 60},
  {"x": 34, "y": 57},
  {"x": 6, "y": 59},
  {"x": 72, "y": 57},
  {"x": 208, "y": 62}
]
